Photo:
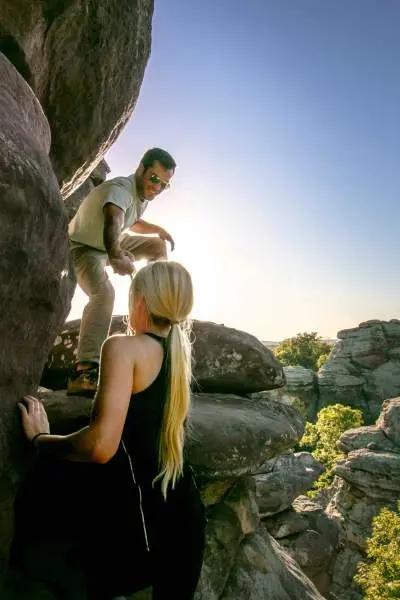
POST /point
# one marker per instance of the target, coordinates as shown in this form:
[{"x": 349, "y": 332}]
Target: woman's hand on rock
[{"x": 34, "y": 417}]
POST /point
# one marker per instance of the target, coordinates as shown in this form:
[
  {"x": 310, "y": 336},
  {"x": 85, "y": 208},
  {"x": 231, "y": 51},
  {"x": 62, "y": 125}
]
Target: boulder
[
  {"x": 300, "y": 391},
  {"x": 243, "y": 561},
  {"x": 389, "y": 421},
  {"x": 365, "y": 345},
  {"x": 370, "y": 437},
  {"x": 363, "y": 368},
  {"x": 310, "y": 536},
  {"x": 339, "y": 382},
  {"x": 85, "y": 61},
  {"x": 229, "y": 436},
  {"x": 35, "y": 290},
  {"x": 225, "y": 360},
  {"x": 281, "y": 479},
  {"x": 367, "y": 479}
]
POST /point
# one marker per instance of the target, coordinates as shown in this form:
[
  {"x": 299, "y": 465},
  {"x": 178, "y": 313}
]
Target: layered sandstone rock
[
  {"x": 35, "y": 290},
  {"x": 368, "y": 479},
  {"x": 363, "y": 368},
  {"x": 85, "y": 62},
  {"x": 225, "y": 360}
]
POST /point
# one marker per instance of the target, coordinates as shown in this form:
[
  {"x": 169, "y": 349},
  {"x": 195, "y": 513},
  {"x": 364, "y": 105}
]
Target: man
[{"x": 97, "y": 239}]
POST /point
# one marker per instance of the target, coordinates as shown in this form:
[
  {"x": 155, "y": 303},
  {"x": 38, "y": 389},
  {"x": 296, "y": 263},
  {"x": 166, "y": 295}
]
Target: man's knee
[
  {"x": 159, "y": 249},
  {"x": 106, "y": 291}
]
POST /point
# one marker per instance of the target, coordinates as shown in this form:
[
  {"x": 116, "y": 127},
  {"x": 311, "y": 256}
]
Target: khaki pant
[{"x": 89, "y": 265}]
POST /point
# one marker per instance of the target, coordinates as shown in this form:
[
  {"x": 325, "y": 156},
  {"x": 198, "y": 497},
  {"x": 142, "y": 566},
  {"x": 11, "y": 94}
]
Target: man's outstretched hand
[
  {"x": 123, "y": 263},
  {"x": 167, "y": 237}
]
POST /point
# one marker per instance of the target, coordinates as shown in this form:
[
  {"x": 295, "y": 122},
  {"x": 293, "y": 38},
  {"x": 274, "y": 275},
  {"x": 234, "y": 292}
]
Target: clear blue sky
[{"x": 283, "y": 116}]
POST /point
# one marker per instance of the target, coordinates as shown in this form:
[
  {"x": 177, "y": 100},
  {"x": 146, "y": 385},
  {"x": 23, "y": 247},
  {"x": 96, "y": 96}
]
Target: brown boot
[{"x": 83, "y": 382}]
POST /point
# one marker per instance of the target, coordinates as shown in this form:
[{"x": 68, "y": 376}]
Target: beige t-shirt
[{"x": 88, "y": 223}]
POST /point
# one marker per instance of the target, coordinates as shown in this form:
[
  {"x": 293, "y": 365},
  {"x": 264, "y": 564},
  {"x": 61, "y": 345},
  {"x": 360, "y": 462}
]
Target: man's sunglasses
[{"x": 156, "y": 180}]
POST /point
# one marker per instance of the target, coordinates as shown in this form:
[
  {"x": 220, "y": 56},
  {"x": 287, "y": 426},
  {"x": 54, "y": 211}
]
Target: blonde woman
[{"x": 144, "y": 494}]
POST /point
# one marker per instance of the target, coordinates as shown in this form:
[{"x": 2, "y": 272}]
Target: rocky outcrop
[
  {"x": 363, "y": 368},
  {"x": 225, "y": 360},
  {"x": 85, "y": 61},
  {"x": 310, "y": 536},
  {"x": 280, "y": 480},
  {"x": 230, "y": 439},
  {"x": 34, "y": 285},
  {"x": 300, "y": 390},
  {"x": 368, "y": 478},
  {"x": 97, "y": 176}
]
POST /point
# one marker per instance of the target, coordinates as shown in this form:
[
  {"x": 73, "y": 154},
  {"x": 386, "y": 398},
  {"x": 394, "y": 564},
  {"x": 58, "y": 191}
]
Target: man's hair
[{"x": 163, "y": 157}]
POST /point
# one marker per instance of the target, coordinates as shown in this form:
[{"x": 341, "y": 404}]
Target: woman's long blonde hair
[{"x": 167, "y": 289}]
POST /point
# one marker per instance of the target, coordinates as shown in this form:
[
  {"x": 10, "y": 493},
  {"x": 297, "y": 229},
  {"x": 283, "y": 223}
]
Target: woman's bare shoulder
[{"x": 121, "y": 343}]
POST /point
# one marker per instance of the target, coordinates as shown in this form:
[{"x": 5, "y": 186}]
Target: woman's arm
[{"x": 98, "y": 442}]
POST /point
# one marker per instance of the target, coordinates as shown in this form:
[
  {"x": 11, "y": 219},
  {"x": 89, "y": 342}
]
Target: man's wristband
[{"x": 35, "y": 437}]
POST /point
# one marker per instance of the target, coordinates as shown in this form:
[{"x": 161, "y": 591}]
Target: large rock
[
  {"x": 280, "y": 480},
  {"x": 34, "y": 285},
  {"x": 310, "y": 536},
  {"x": 363, "y": 368},
  {"x": 228, "y": 436},
  {"x": 367, "y": 480},
  {"x": 225, "y": 360},
  {"x": 339, "y": 382},
  {"x": 300, "y": 391},
  {"x": 85, "y": 61}
]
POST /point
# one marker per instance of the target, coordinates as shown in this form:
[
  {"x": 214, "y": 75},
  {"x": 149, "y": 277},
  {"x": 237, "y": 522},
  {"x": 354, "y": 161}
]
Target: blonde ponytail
[
  {"x": 167, "y": 289},
  {"x": 176, "y": 408}
]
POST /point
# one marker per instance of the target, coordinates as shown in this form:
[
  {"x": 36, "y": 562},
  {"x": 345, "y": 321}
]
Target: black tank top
[{"x": 143, "y": 424}]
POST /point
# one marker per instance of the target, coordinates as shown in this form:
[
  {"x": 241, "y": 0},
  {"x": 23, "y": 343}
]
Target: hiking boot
[{"x": 83, "y": 382}]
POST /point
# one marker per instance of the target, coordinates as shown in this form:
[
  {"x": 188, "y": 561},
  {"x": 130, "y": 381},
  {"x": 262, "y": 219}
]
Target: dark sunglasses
[{"x": 156, "y": 180}]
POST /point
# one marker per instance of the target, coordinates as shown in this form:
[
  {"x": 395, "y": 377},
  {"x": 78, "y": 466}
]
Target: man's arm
[
  {"x": 142, "y": 226},
  {"x": 120, "y": 260},
  {"x": 113, "y": 223}
]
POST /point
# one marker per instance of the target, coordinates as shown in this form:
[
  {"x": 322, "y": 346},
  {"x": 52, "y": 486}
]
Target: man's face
[{"x": 153, "y": 180}]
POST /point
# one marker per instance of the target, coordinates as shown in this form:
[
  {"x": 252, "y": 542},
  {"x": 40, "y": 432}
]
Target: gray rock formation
[
  {"x": 280, "y": 480},
  {"x": 225, "y": 360},
  {"x": 229, "y": 438},
  {"x": 85, "y": 61},
  {"x": 363, "y": 368},
  {"x": 300, "y": 390},
  {"x": 311, "y": 537},
  {"x": 34, "y": 285},
  {"x": 97, "y": 176},
  {"x": 368, "y": 478}
]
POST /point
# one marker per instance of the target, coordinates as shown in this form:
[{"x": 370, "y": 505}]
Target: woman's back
[{"x": 144, "y": 420}]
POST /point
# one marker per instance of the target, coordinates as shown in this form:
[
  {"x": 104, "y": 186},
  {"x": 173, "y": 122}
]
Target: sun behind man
[{"x": 96, "y": 239}]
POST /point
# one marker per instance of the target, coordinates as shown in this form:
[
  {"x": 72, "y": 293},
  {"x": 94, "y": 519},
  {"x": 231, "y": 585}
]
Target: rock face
[
  {"x": 97, "y": 176},
  {"x": 300, "y": 390},
  {"x": 367, "y": 480},
  {"x": 280, "y": 480},
  {"x": 241, "y": 560},
  {"x": 225, "y": 360},
  {"x": 310, "y": 536},
  {"x": 34, "y": 286},
  {"x": 85, "y": 61},
  {"x": 363, "y": 368}
]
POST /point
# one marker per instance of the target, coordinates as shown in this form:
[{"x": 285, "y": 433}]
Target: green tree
[
  {"x": 380, "y": 577},
  {"x": 304, "y": 349},
  {"x": 320, "y": 438}
]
